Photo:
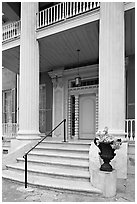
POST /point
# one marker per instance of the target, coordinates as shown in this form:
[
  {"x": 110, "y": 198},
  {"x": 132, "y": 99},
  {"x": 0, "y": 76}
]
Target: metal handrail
[{"x": 25, "y": 155}]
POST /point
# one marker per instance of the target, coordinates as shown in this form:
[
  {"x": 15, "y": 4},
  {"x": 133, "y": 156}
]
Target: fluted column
[
  {"x": 111, "y": 67},
  {"x": 76, "y": 116},
  {"x": 29, "y": 74}
]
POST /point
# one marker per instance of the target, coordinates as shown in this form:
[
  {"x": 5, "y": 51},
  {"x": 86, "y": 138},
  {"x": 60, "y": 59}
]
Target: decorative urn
[{"x": 107, "y": 146}]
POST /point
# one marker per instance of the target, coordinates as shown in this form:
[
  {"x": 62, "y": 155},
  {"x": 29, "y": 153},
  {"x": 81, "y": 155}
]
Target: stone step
[
  {"x": 51, "y": 171},
  {"x": 74, "y": 144},
  {"x": 53, "y": 183},
  {"x": 67, "y": 155},
  {"x": 60, "y": 162},
  {"x": 62, "y": 149}
]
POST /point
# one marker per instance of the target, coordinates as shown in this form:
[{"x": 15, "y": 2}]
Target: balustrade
[
  {"x": 10, "y": 129},
  {"x": 10, "y": 31},
  {"x": 50, "y": 16},
  {"x": 130, "y": 129},
  {"x": 63, "y": 11}
]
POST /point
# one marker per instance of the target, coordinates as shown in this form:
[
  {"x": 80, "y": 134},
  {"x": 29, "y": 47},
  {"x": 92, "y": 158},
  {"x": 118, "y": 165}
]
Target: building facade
[{"x": 50, "y": 46}]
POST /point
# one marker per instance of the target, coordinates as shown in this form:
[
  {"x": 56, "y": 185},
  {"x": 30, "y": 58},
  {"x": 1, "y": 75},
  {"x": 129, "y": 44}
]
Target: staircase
[{"x": 56, "y": 165}]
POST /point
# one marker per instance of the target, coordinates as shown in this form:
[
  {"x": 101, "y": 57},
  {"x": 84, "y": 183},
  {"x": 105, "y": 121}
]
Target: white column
[
  {"x": 76, "y": 116},
  {"x": 17, "y": 98},
  {"x": 111, "y": 68},
  {"x": 29, "y": 74}
]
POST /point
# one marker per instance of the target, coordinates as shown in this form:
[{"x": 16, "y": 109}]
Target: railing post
[
  {"x": 25, "y": 156},
  {"x": 64, "y": 130}
]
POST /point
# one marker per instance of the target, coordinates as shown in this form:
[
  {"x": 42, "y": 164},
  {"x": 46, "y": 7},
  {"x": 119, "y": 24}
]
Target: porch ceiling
[
  {"x": 60, "y": 50},
  {"x": 11, "y": 59}
]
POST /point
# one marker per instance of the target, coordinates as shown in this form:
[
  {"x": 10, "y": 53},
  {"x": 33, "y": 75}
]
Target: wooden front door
[{"x": 87, "y": 105}]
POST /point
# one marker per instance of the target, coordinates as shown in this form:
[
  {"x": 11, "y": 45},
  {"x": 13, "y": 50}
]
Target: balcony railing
[
  {"x": 50, "y": 16},
  {"x": 63, "y": 11},
  {"x": 10, "y": 129},
  {"x": 11, "y": 31},
  {"x": 130, "y": 129}
]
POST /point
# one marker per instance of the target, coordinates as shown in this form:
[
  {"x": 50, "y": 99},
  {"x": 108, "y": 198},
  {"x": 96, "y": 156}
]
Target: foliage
[{"x": 107, "y": 138}]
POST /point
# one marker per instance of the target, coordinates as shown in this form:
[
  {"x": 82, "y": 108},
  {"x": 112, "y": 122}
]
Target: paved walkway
[{"x": 14, "y": 192}]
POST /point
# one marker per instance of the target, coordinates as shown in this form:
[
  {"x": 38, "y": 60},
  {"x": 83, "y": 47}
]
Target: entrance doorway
[{"x": 87, "y": 115}]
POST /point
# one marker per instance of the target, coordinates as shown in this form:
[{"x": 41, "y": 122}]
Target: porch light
[{"x": 78, "y": 78}]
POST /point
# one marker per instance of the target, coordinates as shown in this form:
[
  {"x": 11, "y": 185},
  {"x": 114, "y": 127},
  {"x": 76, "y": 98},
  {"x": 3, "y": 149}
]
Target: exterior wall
[
  {"x": 130, "y": 74},
  {"x": 8, "y": 79},
  {"x": 9, "y": 96},
  {"x": 61, "y": 81},
  {"x": 48, "y": 100}
]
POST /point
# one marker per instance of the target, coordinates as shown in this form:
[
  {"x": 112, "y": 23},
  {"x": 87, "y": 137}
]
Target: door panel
[{"x": 87, "y": 116}]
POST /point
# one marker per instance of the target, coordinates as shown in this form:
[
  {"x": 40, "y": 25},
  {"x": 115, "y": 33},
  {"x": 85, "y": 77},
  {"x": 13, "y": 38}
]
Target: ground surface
[{"x": 14, "y": 192}]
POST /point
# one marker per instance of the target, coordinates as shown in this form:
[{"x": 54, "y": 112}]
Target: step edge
[{"x": 50, "y": 173}]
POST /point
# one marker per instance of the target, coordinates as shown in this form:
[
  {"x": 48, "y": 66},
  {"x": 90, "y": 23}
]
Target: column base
[
  {"x": 28, "y": 135},
  {"x": 105, "y": 181}
]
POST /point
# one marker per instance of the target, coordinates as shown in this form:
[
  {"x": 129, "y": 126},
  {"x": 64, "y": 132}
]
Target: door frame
[{"x": 91, "y": 89}]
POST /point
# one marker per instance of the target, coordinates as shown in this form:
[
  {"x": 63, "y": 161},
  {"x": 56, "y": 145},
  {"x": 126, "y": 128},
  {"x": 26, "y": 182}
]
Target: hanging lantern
[
  {"x": 78, "y": 81},
  {"x": 78, "y": 78}
]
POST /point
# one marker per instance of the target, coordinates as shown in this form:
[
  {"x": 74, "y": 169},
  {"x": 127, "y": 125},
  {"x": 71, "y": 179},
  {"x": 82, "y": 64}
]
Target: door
[{"x": 87, "y": 105}]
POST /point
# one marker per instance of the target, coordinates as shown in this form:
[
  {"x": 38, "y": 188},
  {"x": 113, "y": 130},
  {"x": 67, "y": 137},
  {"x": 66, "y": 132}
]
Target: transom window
[{"x": 86, "y": 82}]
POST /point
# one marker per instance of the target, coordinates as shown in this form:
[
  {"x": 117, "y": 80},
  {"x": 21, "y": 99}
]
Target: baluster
[
  {"x": 3, "y": 31},
  {"x": 98, "y": 4},
  {"x": 51, "y": 15},
  {"x": 9, "y": 31},
  {"x": 57, "y": 13},
  {"x": 63, "y": 10},
  {"x": 13, "y": 30},
  {"x": 19, "y": 26},
  {"x": 6, "y": 33},
  {"x": 48, "y": 16},
  {"x": 67, "y": 5},
  {"x": 16, "y": 28},
  {"x": 129, "y": 123},
  {"x": 127, "y": 130},
  {"x": 131, "y": 130},
  {"x": 74, "y": 9},
  {"x": 60, "y": 12},
  {"x": 40, "y": 19},
  {"x": 45, "y": 19},
  {"x": 43, "y": 14},
  {"x": 83, "y": 6},
  {"x": 54, "y": 14}
]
